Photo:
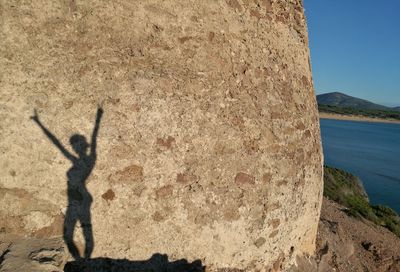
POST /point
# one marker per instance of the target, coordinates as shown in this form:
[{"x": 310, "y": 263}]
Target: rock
[
  {"x": 260, "y": 241},
  {"x": 33, "y": 255},
  {"x": 345, "y": 243}
]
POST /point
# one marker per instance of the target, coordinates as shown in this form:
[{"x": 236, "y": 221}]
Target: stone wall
[{"x": 209, "y": 145}]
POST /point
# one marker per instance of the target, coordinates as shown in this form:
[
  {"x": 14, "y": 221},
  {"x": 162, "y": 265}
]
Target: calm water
[{"x": 371, "y": 151}]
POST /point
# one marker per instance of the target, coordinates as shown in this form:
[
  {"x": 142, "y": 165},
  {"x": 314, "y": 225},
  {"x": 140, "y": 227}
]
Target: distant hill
[{"x": 346, "y": 101}]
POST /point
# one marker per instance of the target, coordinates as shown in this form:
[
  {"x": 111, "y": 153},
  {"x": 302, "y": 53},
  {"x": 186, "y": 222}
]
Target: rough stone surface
[
  {"x": 209, "y": 145},
  {"x": 32, "y": 254},
  {"x": 345, "y": 243}
]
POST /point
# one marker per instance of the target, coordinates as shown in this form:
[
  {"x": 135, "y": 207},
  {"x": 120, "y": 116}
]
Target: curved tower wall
[{"x": 209, "y": 146}]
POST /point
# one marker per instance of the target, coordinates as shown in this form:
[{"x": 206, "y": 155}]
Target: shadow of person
[
  {"x": 79, "y": 198},
  {"x": 157, "y": 263}
]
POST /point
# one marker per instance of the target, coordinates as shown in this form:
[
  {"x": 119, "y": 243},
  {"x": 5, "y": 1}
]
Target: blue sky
[{"x": 355, "y": 47}]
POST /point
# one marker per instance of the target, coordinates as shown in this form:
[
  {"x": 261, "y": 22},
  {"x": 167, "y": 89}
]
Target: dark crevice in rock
[
  {"x": 47, "y": 256},
  {"x": 3, "y": 255},
  {"x": 322, "y": 252}
]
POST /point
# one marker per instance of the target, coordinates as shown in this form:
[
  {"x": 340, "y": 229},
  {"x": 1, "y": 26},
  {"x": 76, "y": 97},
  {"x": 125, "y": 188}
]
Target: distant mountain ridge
[{"x": 346, "y": 101}]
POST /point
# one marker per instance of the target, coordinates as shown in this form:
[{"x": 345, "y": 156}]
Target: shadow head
[{"x": 79, "y": 144}]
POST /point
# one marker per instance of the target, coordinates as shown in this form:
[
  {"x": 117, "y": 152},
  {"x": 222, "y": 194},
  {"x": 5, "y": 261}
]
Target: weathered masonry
[{"x": 209, "y": 144}]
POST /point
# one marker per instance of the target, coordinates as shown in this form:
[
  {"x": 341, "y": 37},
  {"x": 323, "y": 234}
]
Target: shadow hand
[
  {"x": 35, "y": 116},
  {"x": 100, "y": 109}
]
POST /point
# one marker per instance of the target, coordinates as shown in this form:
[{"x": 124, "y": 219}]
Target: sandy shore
[{"x": 324, "y": 115}]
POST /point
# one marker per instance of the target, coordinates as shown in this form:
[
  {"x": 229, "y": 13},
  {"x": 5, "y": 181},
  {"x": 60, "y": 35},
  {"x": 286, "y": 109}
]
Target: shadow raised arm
[
  {"x": 93, "y": 142},
  {"x": 52, "y": 138}
]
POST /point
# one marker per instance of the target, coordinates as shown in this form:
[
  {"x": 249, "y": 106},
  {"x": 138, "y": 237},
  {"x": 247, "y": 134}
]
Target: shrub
[{"x": 347, "y": 190}]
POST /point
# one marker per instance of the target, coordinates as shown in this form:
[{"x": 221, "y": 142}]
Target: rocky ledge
[{"x": 344, "y": 243}]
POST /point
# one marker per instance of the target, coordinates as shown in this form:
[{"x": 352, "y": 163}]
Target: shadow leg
[
  {"x": 87, "y": 234},
  {"x": 69, "y": 226}
]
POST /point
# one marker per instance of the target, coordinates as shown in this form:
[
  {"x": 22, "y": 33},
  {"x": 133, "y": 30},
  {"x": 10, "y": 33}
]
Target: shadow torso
[{"x": 77, "y": 176}]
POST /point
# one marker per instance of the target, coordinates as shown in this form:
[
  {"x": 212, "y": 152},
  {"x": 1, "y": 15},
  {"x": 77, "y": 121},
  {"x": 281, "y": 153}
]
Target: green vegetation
[
  {"x": 347, "y": 190},
  {"x": 388, "y": 218},
  {"x": 374, "y": 113}
]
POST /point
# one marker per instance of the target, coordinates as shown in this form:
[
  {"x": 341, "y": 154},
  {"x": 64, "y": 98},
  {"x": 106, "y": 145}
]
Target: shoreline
[{"x": 335, "y": 116}]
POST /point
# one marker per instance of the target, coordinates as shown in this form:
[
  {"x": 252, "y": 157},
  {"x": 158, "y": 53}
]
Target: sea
[{"x": 368, "y": 150}]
